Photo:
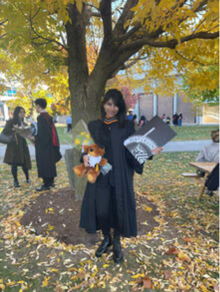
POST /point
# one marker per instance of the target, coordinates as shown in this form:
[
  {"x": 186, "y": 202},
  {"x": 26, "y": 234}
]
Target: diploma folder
[{"x": 152, "y": 135}]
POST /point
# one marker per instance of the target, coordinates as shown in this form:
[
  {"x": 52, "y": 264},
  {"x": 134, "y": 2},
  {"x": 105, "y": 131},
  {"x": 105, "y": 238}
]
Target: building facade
[{"x": 150, "y": 105}]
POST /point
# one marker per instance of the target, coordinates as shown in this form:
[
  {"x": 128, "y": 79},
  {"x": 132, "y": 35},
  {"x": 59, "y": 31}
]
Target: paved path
[{"x": 179, "y": 146}]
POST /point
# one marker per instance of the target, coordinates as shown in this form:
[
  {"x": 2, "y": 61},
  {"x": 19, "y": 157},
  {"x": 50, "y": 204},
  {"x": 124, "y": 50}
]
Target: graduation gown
[
  {"x": 212, "y": 182},
  {"x": 47, "y": 147},
  {"x": 121, "y": 178}
]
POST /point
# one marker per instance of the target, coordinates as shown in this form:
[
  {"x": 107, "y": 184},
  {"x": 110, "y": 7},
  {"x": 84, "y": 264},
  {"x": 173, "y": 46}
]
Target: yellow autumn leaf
[
  {"x": 148, "y": 209},
  {"x": 138, "y": 276},
  {"x": 45, "y": 281},
  {"x": 184, "y": 257},
  {"x": 76, "y": 141},
  {"x": 204, "y": 289}
]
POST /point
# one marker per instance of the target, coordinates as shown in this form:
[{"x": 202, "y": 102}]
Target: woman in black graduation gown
[{"x": 109, "y": 202}]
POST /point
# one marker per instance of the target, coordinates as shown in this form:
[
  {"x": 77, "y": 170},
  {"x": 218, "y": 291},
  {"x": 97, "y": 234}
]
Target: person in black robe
[
  {"x": 47, "y": 146},
  {"x": 212, "y": 182},
  {"x": 17, "y": 153},
  {"x": 109, "y": 202}
]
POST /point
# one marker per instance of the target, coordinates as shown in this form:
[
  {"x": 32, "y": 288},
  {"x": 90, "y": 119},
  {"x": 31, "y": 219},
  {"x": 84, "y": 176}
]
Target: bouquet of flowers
[
  {"x": 82, "y": 139},
  {"x": 23, "y": 131}
]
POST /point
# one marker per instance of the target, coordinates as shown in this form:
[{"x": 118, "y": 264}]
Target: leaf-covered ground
[{"x": 179, "y": 254}]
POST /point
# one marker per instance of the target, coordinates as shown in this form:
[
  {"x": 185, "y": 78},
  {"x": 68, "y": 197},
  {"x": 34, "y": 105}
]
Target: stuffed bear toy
[{"x": 95, "y": 160}]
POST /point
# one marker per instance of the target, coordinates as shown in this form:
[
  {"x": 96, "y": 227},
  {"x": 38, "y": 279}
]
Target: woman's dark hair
[
  {"x": 41, "y": 102},
  {"x": 118, "y": 101},
  {"x": 134, "y": 117},
  {"x": 143, "y": 118},
  {"x": 16, "y": 119}
]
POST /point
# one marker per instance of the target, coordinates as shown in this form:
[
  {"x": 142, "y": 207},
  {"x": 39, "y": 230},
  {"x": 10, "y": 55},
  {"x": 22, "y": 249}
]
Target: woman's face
[
  {"x": 21, "y": 114},
  {"x": 111, "y": 109}
]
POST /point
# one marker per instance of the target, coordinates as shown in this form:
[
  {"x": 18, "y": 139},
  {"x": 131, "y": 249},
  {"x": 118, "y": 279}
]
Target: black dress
[
  {"x": 46, "y": 153},
  {"x": 120, "y": 179},
  {"x": 17, "y": 152}
]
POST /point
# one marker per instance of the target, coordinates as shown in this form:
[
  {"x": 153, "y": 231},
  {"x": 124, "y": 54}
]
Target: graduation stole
[
  {"x": 51, "y": 124},
  {"x": 110, "y": 121}
]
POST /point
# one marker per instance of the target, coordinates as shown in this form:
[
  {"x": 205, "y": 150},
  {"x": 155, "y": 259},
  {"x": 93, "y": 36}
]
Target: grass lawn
[
  {"x": 193, "y": 132},
  {"x": 180, "y": 254},
  {"x": 185, "y": 133}
]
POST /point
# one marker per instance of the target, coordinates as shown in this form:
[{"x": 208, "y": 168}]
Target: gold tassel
[{"x": 97, "y": 168}]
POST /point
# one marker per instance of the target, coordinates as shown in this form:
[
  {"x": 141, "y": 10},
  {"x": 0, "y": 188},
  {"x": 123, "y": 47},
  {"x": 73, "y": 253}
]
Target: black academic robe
[
  {"x": 124, "y": 165},
  {"x": 46, "y": 153},
  {"x": 212, "y": 182}
]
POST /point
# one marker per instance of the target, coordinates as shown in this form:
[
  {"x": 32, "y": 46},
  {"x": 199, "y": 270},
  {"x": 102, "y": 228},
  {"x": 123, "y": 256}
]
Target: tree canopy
[{"x": 87, "y": 43}]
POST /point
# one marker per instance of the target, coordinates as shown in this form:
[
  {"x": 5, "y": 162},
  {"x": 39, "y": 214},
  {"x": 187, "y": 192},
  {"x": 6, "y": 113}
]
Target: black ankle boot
[
  {"x": 117, "y": 250},
  {"x": 107, "y": 241},
  {"x": 16, "y": 184}
]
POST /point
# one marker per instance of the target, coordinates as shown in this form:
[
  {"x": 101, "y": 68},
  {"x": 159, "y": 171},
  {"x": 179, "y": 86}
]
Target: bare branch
[
  {"x": 3, "y": 22},
  {"x": 2, "y": 35},
  {"x": 192, "y": 59},
  {"x": 35, "y": 14},
  {"x": 44, "y": 38},
  {"x": 126, "y": 14},
  {"x": 135, "y": 45}
]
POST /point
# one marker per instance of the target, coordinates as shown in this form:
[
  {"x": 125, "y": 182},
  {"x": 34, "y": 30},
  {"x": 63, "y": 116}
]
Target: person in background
[
  {"x": 142, "y": 121},
  {"x": 212, "y": 181},
  {"x": 47, "y": 146},
  {"x": 163, "y": 118},
  {"x": 175, "y": 119},
  {"x": 130, "y": 114},
  {"x": 17, "y": 152},
  {"x": 210, "y": 153},
  {"x": 69, "y": 123},
  {"x": 180, "y": 119},
  {"x": 168, "y": 121},
  {"x": 135, "y": 121}
]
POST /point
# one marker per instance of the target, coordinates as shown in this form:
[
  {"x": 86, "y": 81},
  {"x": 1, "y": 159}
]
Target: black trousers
[
  {"x": 14, "y": 171},
  {"x": 106, "y": 210},
  {"x": 69, "y": 127},
  {"x": 48, "y": 181}
]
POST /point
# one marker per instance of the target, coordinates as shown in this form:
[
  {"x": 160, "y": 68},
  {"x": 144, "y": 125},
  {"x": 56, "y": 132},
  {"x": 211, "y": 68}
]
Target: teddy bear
[{"x": 96, "y": 160}]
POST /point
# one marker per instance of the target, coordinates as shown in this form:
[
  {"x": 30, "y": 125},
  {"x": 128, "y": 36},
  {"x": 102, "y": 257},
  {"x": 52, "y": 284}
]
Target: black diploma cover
[{"x": 153, "y": 135}]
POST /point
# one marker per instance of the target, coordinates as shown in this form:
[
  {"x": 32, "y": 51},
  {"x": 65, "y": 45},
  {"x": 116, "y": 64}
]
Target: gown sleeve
[{"x": 138, "y": 167}]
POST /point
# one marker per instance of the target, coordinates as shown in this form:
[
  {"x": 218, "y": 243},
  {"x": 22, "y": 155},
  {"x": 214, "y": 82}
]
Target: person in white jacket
[{"x": 210, "y": 153}]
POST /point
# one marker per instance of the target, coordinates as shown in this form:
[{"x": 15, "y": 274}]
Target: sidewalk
[{"x": 178, "y": 146}]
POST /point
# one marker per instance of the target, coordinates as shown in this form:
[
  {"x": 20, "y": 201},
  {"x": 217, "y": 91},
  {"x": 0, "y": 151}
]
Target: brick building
[{"x": 150, "y": 105}]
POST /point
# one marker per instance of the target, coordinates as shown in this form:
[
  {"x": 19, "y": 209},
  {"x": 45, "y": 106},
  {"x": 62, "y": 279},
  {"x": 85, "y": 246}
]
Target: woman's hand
[
  {"x": 86, "y": 160},
  {"x": 157, "y": 150},
  {"x": 32, "y": 139}
]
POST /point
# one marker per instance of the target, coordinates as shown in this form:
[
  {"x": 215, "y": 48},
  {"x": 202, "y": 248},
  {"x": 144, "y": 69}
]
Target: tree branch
[
  {"x": 3, "y": 22},
  {"x": 106, "y": 14},
  {"x": 126, "y": 14},
  {"x": 44, "y": 38},
  {"x": 135, "y": 45},
  {"x": 2, "y": 35}
]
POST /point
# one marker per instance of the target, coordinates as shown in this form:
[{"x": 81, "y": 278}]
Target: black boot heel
[
  {"x": 118, "y": 256},
  {"x": 103, "y": 248}
]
